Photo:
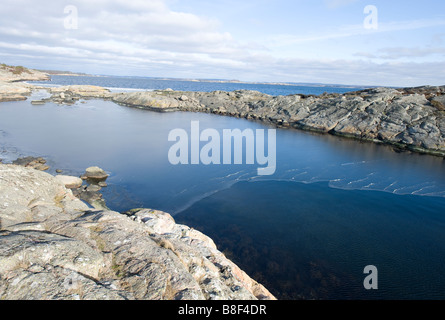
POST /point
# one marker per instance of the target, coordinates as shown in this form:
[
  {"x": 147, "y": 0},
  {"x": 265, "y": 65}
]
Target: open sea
[
  {"x": 333, "y": 206},
  {"x": 140, "y": 83}
]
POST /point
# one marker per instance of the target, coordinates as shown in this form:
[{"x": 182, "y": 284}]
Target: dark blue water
[
  {"x": 310, "y": 241},
  {"x": 332, "y": 207},
  {"x": 184, "y": 85}
]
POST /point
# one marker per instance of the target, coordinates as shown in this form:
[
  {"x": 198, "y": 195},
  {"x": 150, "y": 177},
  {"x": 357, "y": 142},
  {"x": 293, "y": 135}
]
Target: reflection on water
[{"x": 305, "y": 239}]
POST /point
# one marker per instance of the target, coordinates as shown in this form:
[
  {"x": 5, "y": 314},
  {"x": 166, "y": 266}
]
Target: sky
[{"x": 354, "y": 42}]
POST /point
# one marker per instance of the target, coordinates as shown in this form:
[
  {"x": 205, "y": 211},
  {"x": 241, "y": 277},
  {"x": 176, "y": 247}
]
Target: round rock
[
  {"x": 69, "y": 181},
  {"x": 95, "y": 173}
]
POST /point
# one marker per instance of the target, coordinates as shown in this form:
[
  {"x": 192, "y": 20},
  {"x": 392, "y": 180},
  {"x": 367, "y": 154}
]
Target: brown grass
[
  {"x": 17, "y": 70},
  {"x": 438, "y": 105}
]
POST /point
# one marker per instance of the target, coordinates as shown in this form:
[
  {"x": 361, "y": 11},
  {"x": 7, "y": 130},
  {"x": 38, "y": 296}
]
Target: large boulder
[
  {"x": 70, "y": 182},
  {"x": 95, "y": 173}
]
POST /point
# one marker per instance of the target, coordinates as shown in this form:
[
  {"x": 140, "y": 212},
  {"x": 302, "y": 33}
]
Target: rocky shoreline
[
  {"x": 12, "y": 87},
  {"x": 411, "y": 119},
  {"x": 54, "y": 246}
]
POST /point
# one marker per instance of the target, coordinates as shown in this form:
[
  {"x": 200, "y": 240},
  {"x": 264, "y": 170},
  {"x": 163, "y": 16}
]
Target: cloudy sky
[{"x": 395, "y": 43}]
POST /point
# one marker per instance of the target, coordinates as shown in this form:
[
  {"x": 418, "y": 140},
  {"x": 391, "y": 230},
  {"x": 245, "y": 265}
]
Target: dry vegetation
[{"x": 17, "y": 70}]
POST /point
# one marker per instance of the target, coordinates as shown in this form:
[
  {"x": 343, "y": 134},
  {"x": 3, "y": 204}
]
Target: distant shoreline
[{"x": 296, "y": 84}]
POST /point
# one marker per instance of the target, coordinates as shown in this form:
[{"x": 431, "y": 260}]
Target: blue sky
[{"x": 272, "y": 41}]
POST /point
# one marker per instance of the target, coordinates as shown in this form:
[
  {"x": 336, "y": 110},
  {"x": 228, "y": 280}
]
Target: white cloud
[
  {"x": 144, "y": 22},
  {"x": 395, "y": 53},
  {"x": 338, "y": 3},
  {"x": 147, "y": 38},
  {"x": 347, "y": 31}
]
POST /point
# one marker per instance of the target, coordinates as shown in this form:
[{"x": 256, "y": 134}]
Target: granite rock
[{"x": 53, "y": 246}]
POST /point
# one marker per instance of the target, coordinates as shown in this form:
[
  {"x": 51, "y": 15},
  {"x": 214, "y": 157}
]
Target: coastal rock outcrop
[
  {"x": 411, "y": 119},
  {"x": 19, "y": 73},
  {"x": 95, "y": 173},
  {"x": 37, "y": 163},
  {"x": 14, "y": 91},
  {"x": 159, "y": 101},
  {"x": 66, "y": 94},
  {"x": 70, "y": 182},
  {"x": 11, "y": 89},
  {"x": 53, "y": 246}
]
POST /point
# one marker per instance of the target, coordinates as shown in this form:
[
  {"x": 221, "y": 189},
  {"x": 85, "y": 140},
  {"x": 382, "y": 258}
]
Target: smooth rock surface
[
  {"x": 14, "y": 91},
  {"x": 70, "y": 182},
  {"x": 11, "y": 89},
  {"x": 52, "y": 246},
  {"x": 19, "y": 73},
  {"x": 95, "y": 173},
  {"x": 411, "y": 118}
]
